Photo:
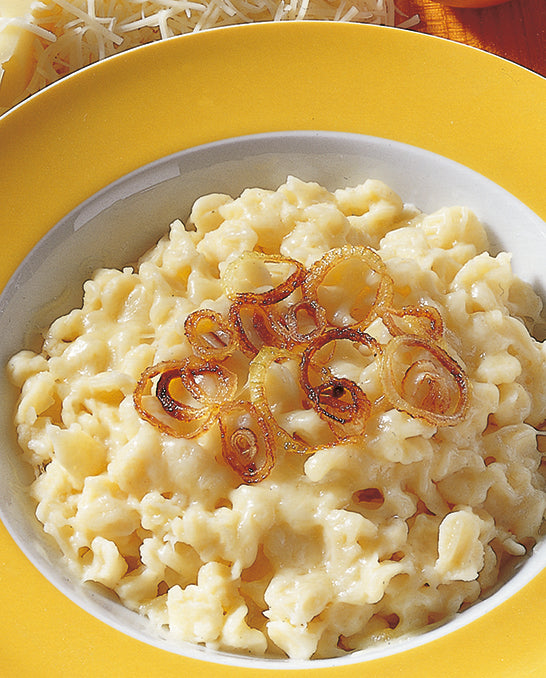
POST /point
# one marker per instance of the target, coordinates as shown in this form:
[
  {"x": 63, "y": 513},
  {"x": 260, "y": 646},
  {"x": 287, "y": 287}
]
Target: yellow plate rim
[{"x": 479, "y": 110}]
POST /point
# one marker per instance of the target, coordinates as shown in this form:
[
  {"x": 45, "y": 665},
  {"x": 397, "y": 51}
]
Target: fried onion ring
[
  {"x": 246, "y": 443},
  {"x": 271, "y": 296},
  {"x": 255, "y": 326},
  {"x": 188, "y": 394},
  {"x": 339, "y": 399},
  {"x": 210, "y": 336},
  {"x": 299, "y": 331},
  {"x": 422, "y": 320},
  {"x": 420, "y": 378},
  {"x": 257, "y": 376},
  {"x": 361, "y": 311}
]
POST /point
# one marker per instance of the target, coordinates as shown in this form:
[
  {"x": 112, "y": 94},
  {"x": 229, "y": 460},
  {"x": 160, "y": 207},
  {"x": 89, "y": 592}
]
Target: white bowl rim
[{"x": 325, "y": 144}]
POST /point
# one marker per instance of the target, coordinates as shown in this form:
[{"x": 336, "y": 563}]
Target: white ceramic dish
[{"x": 115, "y": 226}]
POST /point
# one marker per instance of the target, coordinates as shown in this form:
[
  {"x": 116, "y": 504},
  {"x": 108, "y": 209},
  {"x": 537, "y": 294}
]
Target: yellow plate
[{"x": 78, "y": 136}]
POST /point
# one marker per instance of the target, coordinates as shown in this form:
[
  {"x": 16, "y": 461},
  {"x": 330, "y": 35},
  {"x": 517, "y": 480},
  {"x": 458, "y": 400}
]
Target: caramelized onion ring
[
  {"x": 420, "y": 320},
  {"x": 277, "y": 293},
  {"x": 246, "y": 444},
  {"x": 263, "y": 325},
  {"x": 257, "y": 375},
  {"x": 152, "y": 410},
  {"x": 266, "y": 326},
  {"x": 321, "y": 268},
  {"x": 346, "y": 405},
  {"x": 209, "y": 334},
  {"x": 291, "y": 321},
  {"x": 328, "y": 398},
  {"x": 207, "y": 381},
  {"x": 339, "y": 399},
  {"x": 421, "y": 379},
  {"x": 183, "y": 420}
]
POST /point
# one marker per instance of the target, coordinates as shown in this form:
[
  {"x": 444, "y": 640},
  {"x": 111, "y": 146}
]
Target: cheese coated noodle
[{"x": 352, "y": 532}]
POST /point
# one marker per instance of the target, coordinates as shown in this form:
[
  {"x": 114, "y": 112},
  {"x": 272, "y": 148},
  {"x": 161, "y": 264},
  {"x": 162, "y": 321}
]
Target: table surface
[{"x": 515, "y": 30}]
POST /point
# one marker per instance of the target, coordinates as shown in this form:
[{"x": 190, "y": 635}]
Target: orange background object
[{"x": 515, "y": 30}]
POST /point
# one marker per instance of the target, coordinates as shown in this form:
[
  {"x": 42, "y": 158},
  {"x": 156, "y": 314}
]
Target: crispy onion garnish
[
  {"x": 367, "y": 304},
  {"x": 255, "y": 327},
  {"x": 421, "y": 379},
  {"x": 287, "y": 321},
  {"x": 209, "y": 334},
  {"x": 246, "y": 444},
  {"x": 258, "y": 326},
  {"x": 340, "y": 400},
  {"x": 232, "y": 273},
  {"x": 423, "y": 320},
  {"x": 207, "y": 381},
  {"x": 303, "y": 321},
  {"x": 188, "y": 394},
  {"x": 346, "y": 405},
  {"x": 257, "y": 376}
]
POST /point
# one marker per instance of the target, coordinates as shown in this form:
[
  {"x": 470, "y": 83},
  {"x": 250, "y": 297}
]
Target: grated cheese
[{"x": 43, "y": 40}]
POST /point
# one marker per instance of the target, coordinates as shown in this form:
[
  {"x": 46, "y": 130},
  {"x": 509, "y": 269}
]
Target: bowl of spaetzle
[
  {"x": 285, "y": 430},
  {"x": 275, "y": 401}
]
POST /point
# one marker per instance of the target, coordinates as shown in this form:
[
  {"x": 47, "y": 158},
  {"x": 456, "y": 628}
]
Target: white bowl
[{"x": 115, "y": 226}]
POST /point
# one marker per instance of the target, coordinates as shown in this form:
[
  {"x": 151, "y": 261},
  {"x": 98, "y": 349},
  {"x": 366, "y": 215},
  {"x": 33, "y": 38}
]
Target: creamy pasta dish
[{"x": 302, "y": 424}]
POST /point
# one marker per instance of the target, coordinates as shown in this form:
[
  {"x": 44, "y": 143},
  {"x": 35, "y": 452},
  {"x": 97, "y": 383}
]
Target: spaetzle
[{"x": 368, "y": 536}]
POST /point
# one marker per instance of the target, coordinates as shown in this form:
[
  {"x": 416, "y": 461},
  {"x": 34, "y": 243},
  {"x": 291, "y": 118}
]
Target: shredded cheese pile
[{"x": 68, "y": 35}]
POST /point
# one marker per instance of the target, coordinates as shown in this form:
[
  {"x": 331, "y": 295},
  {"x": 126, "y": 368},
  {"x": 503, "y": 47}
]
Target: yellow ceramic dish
[{"x": 73, "y": 139}]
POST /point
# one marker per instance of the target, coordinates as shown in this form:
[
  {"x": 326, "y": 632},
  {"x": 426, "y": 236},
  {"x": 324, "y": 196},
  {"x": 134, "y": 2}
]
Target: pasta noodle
[{"x": 384, "y": 471}]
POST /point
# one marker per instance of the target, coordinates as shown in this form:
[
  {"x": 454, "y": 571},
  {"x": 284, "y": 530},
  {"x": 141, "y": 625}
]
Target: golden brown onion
[
  {"x": 288, "y": 322},
  {"x": 347, "y": 407},
  {"x": 329, "y": 272},
  {"x": 246, "y": 444},
  {"x": 421, "y": 379},
  {"x": 209, "y": 334},
  {"x": 303, "y": 321},
  {"x": 188, "y": 394},
  {"x": 184, "y": 420},
  {"x": 257, "y": 376},
  {"x": 422, "y": 320},
  {"x": 232, "y": 274},
  {"x": 339, "y": 399},
  {"x": 207, "y": 381},
  {"x": 255, "y": 326}
]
